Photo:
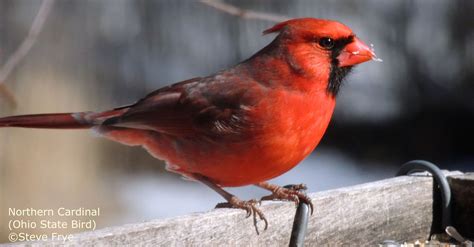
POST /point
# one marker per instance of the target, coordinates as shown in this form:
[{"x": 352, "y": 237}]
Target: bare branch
[
  {"x": 24, "y": 48},
  {"x": 243, "y": 13}
]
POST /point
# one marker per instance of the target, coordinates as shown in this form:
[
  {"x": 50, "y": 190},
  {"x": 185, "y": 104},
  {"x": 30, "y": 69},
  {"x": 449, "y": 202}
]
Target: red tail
[{"x": 78, "y": 120}]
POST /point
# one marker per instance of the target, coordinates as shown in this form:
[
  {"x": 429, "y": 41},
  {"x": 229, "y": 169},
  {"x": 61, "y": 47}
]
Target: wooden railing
[{"x": 398, "y": 209}]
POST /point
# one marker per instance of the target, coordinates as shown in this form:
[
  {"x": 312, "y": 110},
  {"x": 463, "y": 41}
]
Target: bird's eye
[{"x": 326, "y": 43}]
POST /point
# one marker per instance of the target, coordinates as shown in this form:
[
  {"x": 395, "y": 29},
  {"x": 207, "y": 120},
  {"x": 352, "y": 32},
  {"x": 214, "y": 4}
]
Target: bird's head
[{"x": 316, "y": 44}]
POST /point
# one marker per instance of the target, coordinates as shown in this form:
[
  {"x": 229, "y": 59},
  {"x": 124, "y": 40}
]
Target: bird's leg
[
  {"x": 293, "y": 193},
  {"x": 249, "y": 206}
]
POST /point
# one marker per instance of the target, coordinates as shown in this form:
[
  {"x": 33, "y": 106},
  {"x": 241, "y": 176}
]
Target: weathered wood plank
[
  {"x": 462, "y": 189},
  {"x": 398, "y": 209}
]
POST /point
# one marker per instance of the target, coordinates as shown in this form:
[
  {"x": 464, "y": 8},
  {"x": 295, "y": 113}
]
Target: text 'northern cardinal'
[{"x": 240, "y": 126}]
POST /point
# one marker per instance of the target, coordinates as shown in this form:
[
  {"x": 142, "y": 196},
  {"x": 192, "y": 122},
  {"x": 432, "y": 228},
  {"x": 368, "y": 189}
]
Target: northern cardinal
[{"x": 242, "y": 125}]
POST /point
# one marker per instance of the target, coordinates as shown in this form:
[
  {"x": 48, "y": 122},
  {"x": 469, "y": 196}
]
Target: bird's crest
[{"x": 276, "y": 28}]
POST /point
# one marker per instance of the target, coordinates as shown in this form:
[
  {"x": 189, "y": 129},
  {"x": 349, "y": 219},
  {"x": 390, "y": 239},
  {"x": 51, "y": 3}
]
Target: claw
[
  {"x": 250, "y": 208},
  {"x": 295, "y": 199},
  {"x": 249, "y": 212},
  {"x": 307, "y": 200},
  {"x": 262, "y": 217}
]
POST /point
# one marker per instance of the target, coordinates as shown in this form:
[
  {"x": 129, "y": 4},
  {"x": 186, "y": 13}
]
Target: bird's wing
[{"x": 214, "y": 106}]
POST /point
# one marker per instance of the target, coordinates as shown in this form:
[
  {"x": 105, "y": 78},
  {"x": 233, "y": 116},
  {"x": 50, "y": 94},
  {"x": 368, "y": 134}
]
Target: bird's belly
[{"x": 235, "y": 164}]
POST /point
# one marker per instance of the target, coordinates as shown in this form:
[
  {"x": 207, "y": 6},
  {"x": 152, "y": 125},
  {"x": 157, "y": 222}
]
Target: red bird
[{"x": 240, "y": 126}]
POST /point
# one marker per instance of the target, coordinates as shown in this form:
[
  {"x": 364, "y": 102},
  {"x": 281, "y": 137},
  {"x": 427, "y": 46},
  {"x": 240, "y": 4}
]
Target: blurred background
[{"x": 94, "y": 55}]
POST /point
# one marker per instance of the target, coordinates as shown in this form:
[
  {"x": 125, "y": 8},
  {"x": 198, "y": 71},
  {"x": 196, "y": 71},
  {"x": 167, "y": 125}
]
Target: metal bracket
[{"x": 441, "y": 181}]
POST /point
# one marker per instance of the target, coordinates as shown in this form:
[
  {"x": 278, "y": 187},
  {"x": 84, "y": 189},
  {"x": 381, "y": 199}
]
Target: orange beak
[{"x": 355, "y": 53}]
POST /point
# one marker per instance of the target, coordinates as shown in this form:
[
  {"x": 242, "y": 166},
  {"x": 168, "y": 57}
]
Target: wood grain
[{"x": 393, "y": 209}]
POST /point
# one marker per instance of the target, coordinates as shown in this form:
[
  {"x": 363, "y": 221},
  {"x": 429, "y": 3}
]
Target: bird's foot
[
  {"x": 249, "y": 206},
  {"x": 294, "y": 193}
]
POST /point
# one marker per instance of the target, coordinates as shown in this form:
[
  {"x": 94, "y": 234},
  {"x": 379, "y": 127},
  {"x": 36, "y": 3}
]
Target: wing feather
[{"x": 214, "y": 106}]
